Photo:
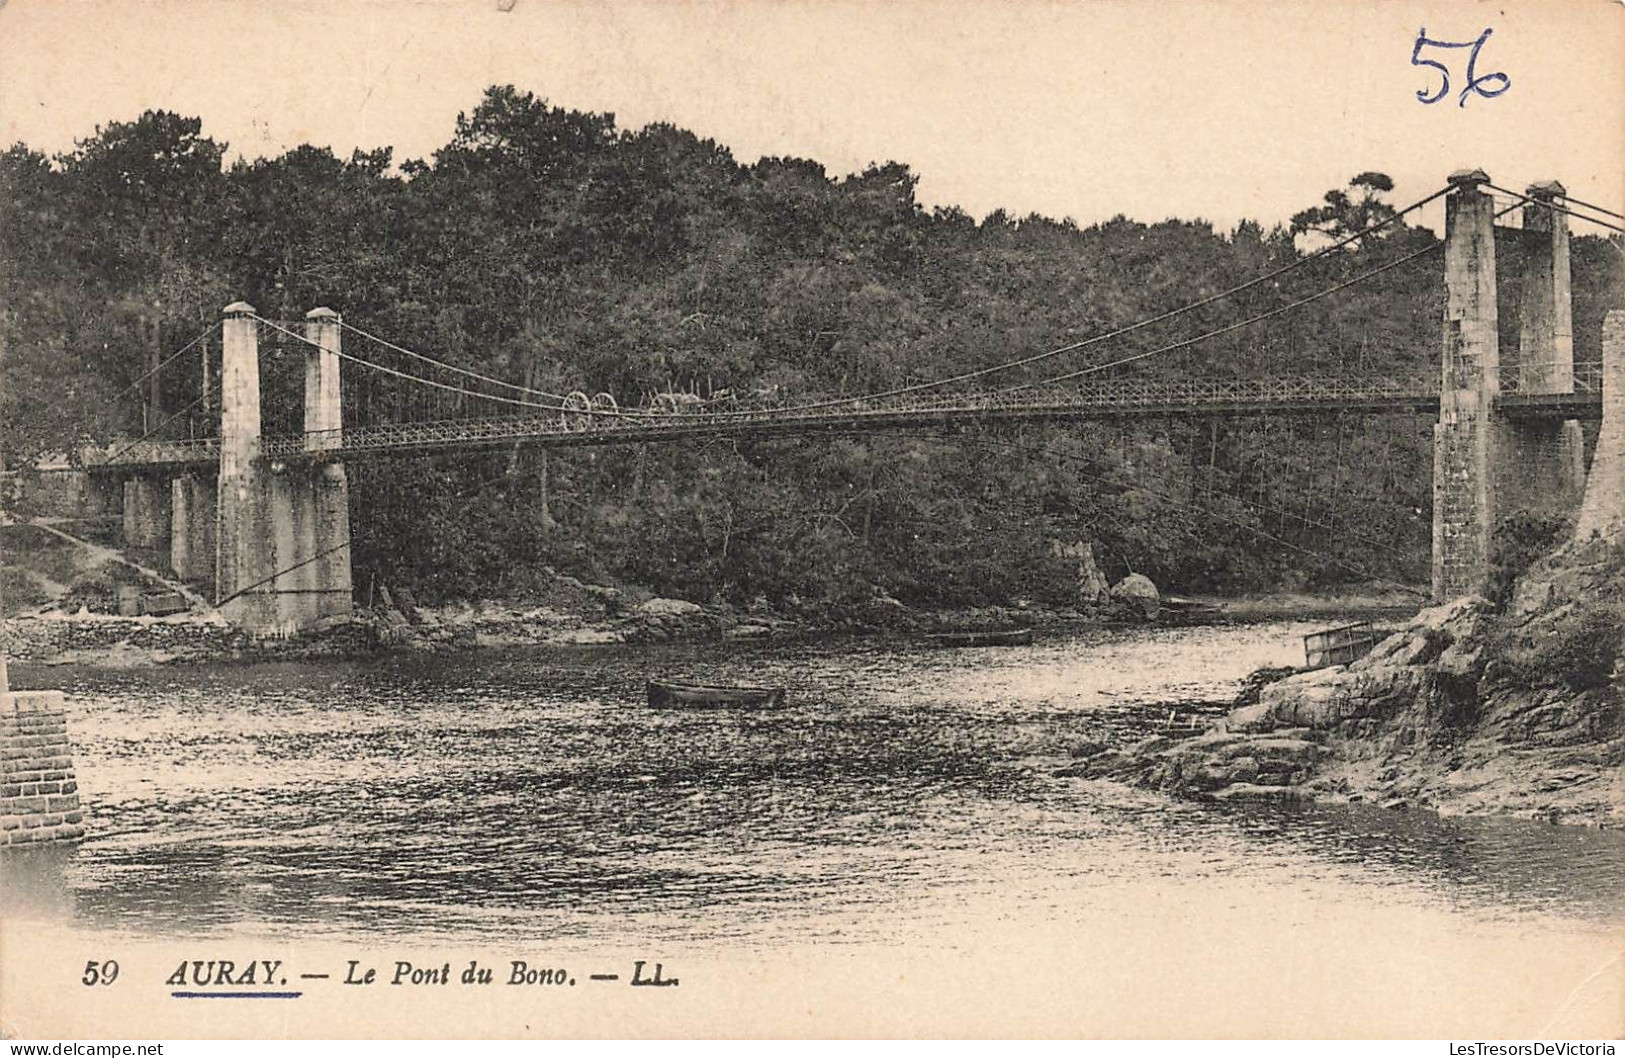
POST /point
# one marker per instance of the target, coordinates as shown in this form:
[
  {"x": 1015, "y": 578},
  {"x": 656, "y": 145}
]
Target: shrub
[
  {"x": 19, "y": 592},
  {"x": 1518, "y": 541},
  {"x": 1579, "y": 651}
]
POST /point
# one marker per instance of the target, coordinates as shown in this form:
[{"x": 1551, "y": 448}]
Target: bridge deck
[{"x": 1127, "y": 399}]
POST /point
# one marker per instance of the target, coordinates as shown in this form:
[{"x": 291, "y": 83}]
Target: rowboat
[
  {"x": 1003, "y": 637},
  {"x": 1340, "y": 645},
  {"x": 664, "y": 694}
]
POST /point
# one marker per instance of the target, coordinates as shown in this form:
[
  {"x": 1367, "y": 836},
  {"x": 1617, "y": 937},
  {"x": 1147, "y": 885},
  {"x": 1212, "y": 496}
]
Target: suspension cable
[
  {"x": 1243, "y": 323},
  {"x": 836, "y": 402},
  {"x": 1596, "y": 209},
  {"x": 449, "y": 367},
  {"x": 1119, "y": 332},
  {"x": 165, "y": 362},
  {"x": 444, "y": 385},
  {"x": 83, "y": 420},
  {"x": 201, "y": 398},
  {"x": 1557, "y": 208},
  {"x": 1093, "y": 369},
  {"x": 899, "y": 391}
]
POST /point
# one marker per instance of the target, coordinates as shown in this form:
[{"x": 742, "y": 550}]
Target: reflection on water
[{"x": 533, "y": 794}]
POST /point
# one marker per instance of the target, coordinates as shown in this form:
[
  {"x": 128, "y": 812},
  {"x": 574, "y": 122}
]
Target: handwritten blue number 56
[{"x": 1475, "y": 83}]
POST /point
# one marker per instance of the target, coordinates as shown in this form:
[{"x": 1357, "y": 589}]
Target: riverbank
[
  {"x": 63, "y": 594},
  {"x": 573, "y": 613},
  {"x": 87, "y": 638},
  {"x": 1469, "y": 708}
]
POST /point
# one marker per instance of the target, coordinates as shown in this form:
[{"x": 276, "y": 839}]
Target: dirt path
[{"x": 100, "y": 554}]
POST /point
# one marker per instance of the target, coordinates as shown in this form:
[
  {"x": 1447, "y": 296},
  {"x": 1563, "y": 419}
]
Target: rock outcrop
[
  {"x": 1138, "y": 594},
  {"x": 669, "y": 608},
  {"x": 1093, "y": 589}
]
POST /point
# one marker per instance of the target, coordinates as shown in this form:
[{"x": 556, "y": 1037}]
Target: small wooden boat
[
  {"x": 664, "y": 694},
  {"x": 1190, "y": 607},
  {"x": 1000, "y": 637},
  {"x": 1340, "y": 645}
]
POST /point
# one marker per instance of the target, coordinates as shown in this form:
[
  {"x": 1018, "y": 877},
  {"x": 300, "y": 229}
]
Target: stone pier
[
  {"x": 1464, "y": 507},
  {"x": 192, "y": 507},
  {"x": 1545, "y": 313},
  {"x": 39, "y": 796},
  {"x": 283, "y": 524},
  {"x": 1487, "y": 465},
  {"x": 1541, "y": 463},
  {"x": 146, "y": 522},
  {"x": 1602, "y": 513},
  {"x": 240, "y": 509},
  {"x": 329, "y": 575}
]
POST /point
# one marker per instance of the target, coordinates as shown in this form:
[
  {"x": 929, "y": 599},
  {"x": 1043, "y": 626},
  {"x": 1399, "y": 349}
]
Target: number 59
[{"x": 100, "y": 973}]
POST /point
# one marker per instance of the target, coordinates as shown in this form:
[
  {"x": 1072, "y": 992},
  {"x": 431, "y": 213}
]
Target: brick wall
[{"x": 39, "y": 797}]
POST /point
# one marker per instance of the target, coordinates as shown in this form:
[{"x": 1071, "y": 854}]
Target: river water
[{"x": 905, "y": 797}]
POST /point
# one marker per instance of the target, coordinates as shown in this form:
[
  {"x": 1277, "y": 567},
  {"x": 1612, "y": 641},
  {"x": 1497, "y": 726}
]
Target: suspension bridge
[
  {"x": 259, "y": 505},
  {"x": 1131, "y": 398}
]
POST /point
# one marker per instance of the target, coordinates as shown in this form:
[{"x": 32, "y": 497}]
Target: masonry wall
[
  {"x": 39, "y": 796},
  {"x": 146, "y": 513},
  {"x": 1539, "y": 466},
  {"x": 192, "y": 508},
  {"x": 64, "y": 492},
  {"x": 1603, "y": 510}
]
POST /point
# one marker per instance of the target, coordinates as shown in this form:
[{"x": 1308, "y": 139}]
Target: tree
[
  {"x": 551, "y": 249},
  {"x": 145, "y": 199},
  {"x": 1348, "y": 211}
]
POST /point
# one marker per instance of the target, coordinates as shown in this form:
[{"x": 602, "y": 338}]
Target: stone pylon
[
  {"x": 1464, "y": 501},
  {"x": 283, "y": 525}
]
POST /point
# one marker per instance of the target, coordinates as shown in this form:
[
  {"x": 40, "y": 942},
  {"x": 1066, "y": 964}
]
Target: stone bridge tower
[
  {"x": 1486, "y": 463},
  {"x": 283, "y": 525}
]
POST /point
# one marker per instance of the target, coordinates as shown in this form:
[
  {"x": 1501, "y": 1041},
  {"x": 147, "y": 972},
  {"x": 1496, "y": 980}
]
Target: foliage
[
  {"x": 1518, "y": 540},
  {"x": 1578, "y": 651},
  {"x": 1344, "y": 213}
]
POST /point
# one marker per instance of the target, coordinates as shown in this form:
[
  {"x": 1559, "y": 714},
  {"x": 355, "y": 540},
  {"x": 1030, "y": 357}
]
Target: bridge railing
[
  {"x": 1105, "y": 396},
  {"x": 145, "y": 453},
  {"x": 1113, "y": 395}
]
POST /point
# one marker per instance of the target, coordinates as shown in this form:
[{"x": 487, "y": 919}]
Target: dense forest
[{"x": 553, "y": 249}]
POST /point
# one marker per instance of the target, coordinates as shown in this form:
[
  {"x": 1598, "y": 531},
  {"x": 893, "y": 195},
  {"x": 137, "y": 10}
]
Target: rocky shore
[
  {"x": 1514, "y": 709},
  {"x": 573, "y": 614},
  {"x": 67, "y": 586},
  {"x": 63, "y": 592}
]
